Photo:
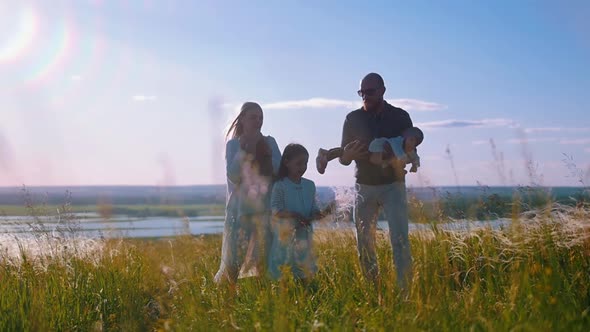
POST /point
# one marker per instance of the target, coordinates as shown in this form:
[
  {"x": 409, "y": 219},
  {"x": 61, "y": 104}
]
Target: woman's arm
[
  {"x": 233, "y": 161},
  {"x": 276, "y": 154}
]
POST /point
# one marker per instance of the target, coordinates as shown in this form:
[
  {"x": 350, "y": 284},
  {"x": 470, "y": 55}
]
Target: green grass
[{"x": 532, "y": 276}]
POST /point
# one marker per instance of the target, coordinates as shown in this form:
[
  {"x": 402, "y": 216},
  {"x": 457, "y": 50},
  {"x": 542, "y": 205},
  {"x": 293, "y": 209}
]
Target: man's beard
[{"x": 373, "y": 107}]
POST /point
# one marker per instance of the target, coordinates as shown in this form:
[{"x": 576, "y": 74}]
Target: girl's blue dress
[{"x": 292, "y": 243}]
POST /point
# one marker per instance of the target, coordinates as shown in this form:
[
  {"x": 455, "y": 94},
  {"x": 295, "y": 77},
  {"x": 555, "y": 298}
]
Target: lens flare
[
  {"x": 19, "y": 43},
  {"x": 54, "y": 57}
]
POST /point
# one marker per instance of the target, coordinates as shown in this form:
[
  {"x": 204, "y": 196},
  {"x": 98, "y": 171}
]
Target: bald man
[{"x": 377, "y": 187}]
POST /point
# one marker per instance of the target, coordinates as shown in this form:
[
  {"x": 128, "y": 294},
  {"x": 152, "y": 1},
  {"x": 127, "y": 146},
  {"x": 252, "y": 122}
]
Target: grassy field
[{"x": 532, "y": 276}]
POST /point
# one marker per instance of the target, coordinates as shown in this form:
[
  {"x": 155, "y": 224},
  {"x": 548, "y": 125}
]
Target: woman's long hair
[
  {"x": 263, "y": 156},
  {"x": 235, "y": 128},
  {"x": 291, "y": 151}
]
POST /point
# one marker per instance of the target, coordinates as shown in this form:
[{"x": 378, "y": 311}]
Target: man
[{"x": 378, "y": 187}]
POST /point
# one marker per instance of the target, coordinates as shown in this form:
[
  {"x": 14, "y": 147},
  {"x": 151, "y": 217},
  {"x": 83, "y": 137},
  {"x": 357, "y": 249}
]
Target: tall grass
[{"x": 532, "y": 275}]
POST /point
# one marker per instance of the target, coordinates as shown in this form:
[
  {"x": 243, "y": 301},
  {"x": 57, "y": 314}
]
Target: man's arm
[
  {"x": 406, "y": 121},
  {"x": 346, "y": 139}
]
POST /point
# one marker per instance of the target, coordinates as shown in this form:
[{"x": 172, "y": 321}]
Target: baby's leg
[
  {"x": 324, "y": 156},
  {"x": 334, "y": 153}
]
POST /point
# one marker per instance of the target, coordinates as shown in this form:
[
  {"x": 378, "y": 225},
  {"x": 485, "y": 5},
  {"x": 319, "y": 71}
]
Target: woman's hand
[
  {"x": 248, "y": 141},
  {"x": 262, "y": 148}
]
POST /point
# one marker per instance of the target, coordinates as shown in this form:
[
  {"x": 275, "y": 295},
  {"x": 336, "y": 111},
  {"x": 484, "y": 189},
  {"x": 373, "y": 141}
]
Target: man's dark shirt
[{"x": 365, "y": 126}]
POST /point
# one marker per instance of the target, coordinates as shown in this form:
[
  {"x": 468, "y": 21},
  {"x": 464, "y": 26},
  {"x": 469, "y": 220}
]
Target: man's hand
[
  {"x": 377, "y": 158},
  {"x": 396, "y": 163},
  {"x": 387, "y": 151},
  {"x": 354, "y": 150}
]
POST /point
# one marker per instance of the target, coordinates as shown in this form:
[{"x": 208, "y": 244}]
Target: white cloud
[
  {"x": 417, "y": 105},
  {"x": 76, "y": 78},
  {"x": 575, "y": 141},
  {"x": 467, "y": 123},
  {"x": 555, "y": 129},
  {"x": 142, "y": 98},
  {"x": 6, "y": 153},
  {"x": 480, "y": 142},
  {"x": 405, "y": 103},
  {"x": 312, "y": 103},
  {"x": 530, "y": 140},
  {"x": 432, "y": 158}
]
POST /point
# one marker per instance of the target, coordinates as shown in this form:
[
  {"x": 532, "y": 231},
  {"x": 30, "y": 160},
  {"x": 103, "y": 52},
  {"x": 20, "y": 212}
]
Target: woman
[{"x": 252, "y": 160}]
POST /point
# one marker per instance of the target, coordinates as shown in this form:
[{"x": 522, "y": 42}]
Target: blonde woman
[{"x": 252, "y": 161}]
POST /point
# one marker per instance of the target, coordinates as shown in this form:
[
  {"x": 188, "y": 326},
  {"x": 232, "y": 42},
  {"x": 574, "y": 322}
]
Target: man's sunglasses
[{"x": 367, "y": 92}]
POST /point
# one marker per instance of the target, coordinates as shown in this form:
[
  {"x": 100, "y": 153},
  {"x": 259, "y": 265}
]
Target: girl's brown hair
[{"x": 291, "y": 151}]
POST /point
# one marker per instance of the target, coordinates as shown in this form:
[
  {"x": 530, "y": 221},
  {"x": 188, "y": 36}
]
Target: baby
[
  {"x": 383, "y": 151},
  {"x": 403, "y": 149}
]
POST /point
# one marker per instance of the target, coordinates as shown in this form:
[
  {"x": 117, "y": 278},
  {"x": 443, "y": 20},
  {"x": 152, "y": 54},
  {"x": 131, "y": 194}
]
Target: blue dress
[
  {"x": 292, "y": 243},
  {"x": 248, "y": 196}
]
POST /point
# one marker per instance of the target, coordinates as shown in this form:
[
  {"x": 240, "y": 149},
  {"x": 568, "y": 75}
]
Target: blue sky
[{"x": 138, "y": 92}]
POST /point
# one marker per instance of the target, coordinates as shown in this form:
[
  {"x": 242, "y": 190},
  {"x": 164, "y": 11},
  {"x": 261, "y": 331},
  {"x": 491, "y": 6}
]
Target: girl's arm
[
  {"x": 277, "y": 203},
  {"x": 321, "y": 214},
  {"x": 316, "y": 213},
  {"x": 289, "y": 215}
]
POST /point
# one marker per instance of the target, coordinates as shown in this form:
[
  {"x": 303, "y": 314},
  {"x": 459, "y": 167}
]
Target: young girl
[{"x": 294, "y": 207}]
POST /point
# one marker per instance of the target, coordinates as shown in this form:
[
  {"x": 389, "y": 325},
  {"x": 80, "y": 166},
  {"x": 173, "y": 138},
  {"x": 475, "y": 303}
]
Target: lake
[{"x": 91, "y": 226}]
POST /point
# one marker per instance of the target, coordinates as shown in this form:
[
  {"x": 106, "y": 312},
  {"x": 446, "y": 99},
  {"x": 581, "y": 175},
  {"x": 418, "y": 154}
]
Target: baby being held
[{"x": 398, "y": 151}]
